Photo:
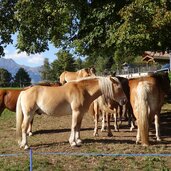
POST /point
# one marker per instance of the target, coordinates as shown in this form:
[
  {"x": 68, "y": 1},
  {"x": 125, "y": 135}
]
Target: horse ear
[
  {"x": 113, "y": 73},
  {"x": 113, "y": 79}
]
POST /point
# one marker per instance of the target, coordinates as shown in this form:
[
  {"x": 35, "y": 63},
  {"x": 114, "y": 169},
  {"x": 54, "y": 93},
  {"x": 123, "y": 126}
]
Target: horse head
[{"x": 118, "y": 90}]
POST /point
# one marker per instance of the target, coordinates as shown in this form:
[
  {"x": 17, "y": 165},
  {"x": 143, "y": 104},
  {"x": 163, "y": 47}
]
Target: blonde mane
[
  {"x": 105, "y": 84},
  {"x": 106, "y": 87}
]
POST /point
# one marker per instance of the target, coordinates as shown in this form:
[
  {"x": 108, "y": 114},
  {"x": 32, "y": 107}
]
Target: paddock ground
[{"x": 51, "y": 135}]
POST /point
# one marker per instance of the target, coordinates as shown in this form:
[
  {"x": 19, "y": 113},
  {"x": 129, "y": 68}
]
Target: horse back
[
  {"x": 151, "y": 89},
  {"x": 67, "y": 76},
  {"x": 11, "y": 99}
]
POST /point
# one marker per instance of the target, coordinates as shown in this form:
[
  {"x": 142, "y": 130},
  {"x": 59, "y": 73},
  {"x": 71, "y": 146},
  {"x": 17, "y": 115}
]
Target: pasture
[{"x": 51, "y": 134}]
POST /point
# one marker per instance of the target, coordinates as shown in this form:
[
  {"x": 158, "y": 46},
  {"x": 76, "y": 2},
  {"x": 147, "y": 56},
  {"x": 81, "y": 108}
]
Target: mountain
[{"x": 11, "y": 66}]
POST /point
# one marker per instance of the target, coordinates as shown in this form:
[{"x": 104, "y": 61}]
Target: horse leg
[
  {"x": 157, "y": 127},
  {"x": 138, "y": 136},
  {"x": 109, "y": 134},
  {"x": 103, "y": 121},
  {"x": 96, "y": 118},
  {"x": 115, "y": 119},
  {"x": 120, "y": 110},
  {"x": 131, "y": 118},
  {"x": 96, "y": 125},
  {"x": 24, "y": 128},
  {"x": 75, "y": 134},
  {"x": 132, "y": 125},
  {"x": 29, "y": 130}
]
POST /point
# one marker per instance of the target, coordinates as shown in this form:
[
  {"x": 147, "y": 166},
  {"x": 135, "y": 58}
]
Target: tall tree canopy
[
  {"x": 95, "y": 28},
  {"x": 22, "y": 78},
  {"x": 46, "y": 70},
  {"x": 5, "y": 78},
  {"x": 65, "y": 62}
]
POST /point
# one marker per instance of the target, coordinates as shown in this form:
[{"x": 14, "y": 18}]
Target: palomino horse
[
  {"x": 147, "y": 96},
  {"x": 73, "y": 98},
  {"x": 68, "y": 76},
  {"x": 105, "y": 109},
  {"x": 8, "y": 99},
  {"x": 111, "y": 107}
]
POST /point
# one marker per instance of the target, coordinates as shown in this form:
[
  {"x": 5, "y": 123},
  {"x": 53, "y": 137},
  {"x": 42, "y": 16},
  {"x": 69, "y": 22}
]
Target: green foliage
[
  {"x": 8, "y": 23},
  {"x": 46, "y": 70},
  {"x": 5, "y": 78},
  {"x": 22, "y": 78},
  {"x": 65, "y": 62},
  {"x": 116, "y": 30}
]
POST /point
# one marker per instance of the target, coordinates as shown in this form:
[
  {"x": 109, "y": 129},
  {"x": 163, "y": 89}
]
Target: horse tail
[
  {"x": 143, "y": 120},
  {"x": 19, "y": 119},
  {"x": 62, "y": 78}
]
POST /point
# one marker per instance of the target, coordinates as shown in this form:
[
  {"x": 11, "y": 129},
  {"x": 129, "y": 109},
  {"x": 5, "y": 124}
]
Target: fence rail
[{"x": 30, "y": 153}]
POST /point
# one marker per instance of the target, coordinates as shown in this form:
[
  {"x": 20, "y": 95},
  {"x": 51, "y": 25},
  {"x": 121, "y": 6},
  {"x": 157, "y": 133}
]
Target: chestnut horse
[
  {"x": 68, "y": 76},
  {"x": 147, "y": 97},
  {"x": 8, "y": 99},
  {"x": 73, "y": 98}
]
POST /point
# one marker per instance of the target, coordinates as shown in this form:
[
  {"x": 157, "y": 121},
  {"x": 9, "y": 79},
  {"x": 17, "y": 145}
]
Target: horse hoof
[
  {"x": 96, "y": 135},
  {"x": 145, "y": 145},
  {"x": 26, "y": 147},
  {"x": 79, "y": 142},
  {"x": 131, "y": 129},
  {"x": 103, "y": 130},
  {"x": 30, "y": 134},
  {"x": 159, "y": 140},
  {"x": 73, "y": 144},
  {"x": 137, "y": 142},
  {"x": 110, "y": 135}
]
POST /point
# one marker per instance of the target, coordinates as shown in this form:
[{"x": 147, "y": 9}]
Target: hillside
[{"x": 11, "y": 66}]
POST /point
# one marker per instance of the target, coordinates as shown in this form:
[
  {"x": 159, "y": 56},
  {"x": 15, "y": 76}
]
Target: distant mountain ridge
[{"x": 11, "y": 66}]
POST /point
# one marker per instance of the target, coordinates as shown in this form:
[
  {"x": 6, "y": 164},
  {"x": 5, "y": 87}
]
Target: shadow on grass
[{"x": 52, "y": 131}]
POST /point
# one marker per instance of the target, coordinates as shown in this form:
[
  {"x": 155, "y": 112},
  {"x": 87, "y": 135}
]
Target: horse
[
  {"x": 147, "y": 97},
  {"x": 73, "y": 98},
  {"x": 111, "y": 107},
  {"x": 68, "y": 76},
  {"x": 8, "y": 99},
  {"x": 105, "y": 109}
]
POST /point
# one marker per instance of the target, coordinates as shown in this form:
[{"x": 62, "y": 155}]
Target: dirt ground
[{"x": 51, "y": 134}]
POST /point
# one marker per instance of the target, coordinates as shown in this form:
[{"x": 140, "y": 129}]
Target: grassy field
[{"x": 51, "y": 135}]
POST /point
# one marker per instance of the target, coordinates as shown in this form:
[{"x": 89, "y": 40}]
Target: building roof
[{"x": 150, "y": 56}]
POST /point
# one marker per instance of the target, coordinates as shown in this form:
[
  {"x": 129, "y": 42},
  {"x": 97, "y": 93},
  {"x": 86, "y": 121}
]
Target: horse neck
[{"x": 93, "y": 88}]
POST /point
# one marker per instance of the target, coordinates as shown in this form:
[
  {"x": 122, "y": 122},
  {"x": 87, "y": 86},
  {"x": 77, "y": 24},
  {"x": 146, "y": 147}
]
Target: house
[{"x": 152, "y": 57}]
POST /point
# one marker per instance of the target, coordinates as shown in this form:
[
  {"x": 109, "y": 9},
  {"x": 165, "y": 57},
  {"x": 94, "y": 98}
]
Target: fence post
[{"x": 31, "y": 155}]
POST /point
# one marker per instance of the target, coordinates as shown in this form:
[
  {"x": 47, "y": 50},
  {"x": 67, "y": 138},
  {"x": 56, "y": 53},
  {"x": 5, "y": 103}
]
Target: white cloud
[{"x": 24, "y": 59}]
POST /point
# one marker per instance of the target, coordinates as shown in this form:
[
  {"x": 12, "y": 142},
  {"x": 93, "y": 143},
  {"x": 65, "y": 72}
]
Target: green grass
[
  {"x": 78, "y": 163},
  {"x": 7, "y": 115}
]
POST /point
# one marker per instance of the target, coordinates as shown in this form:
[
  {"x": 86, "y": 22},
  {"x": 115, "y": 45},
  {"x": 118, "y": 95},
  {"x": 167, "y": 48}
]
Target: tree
[
  {"x": 46, "y": 70},
  {"x": 5, "y": 78},
  {"x": 8, "y": 23},
  {"x": 22, "y": 78},
  {"x": 145, "y": 26},
  {"x": 78, "y": 63},
  {"x": 65, "y": 62},
  {"x": 94, "y": 28}
]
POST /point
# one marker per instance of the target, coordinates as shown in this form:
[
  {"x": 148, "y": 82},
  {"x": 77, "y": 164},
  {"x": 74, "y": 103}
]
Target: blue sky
[{"x": 32, "y": 60}]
